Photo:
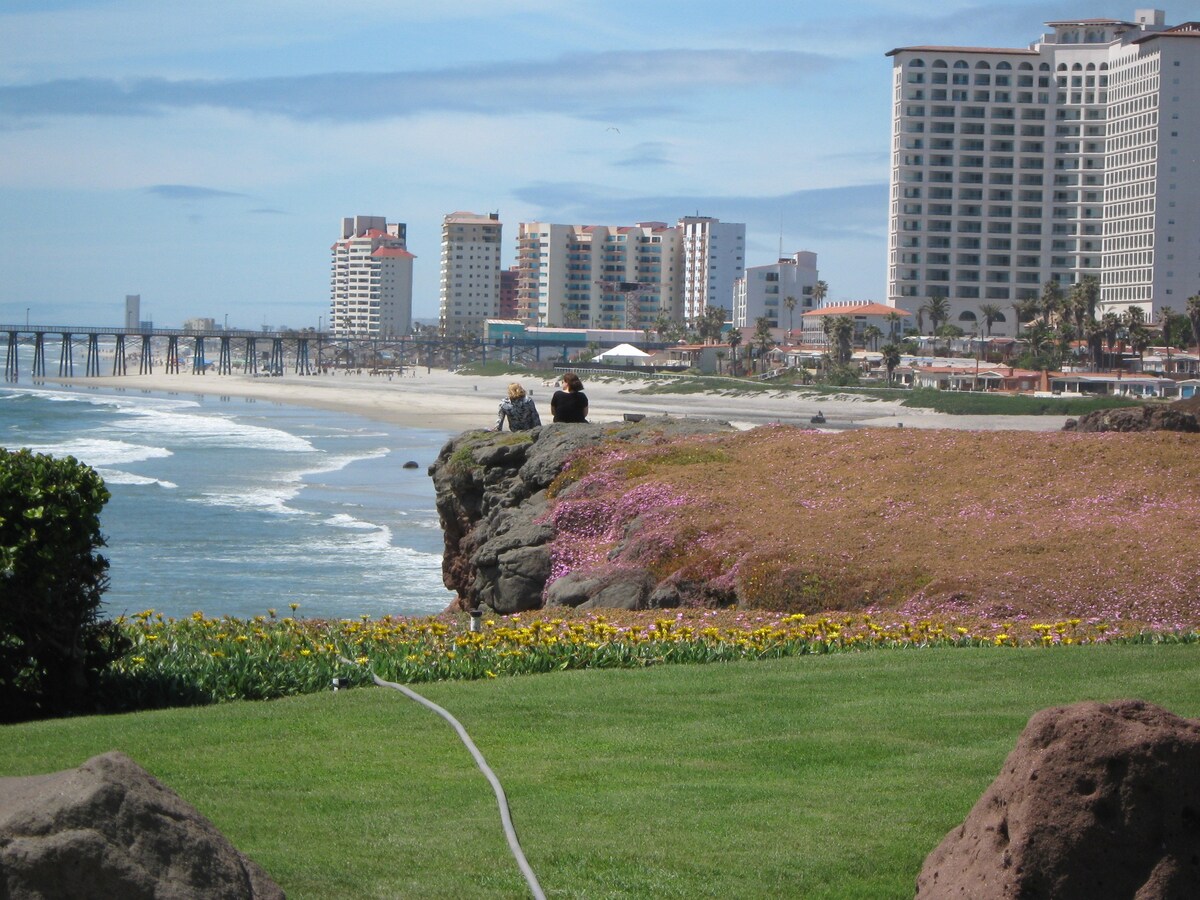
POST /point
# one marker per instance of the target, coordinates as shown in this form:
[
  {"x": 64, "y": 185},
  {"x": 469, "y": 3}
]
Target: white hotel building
[
  {"x": 371, "y": 279},
  {"x": 1075, "y": 156},
  {"x": 470, "y": 278},
  {"x": 597, "y": 276},
  {"x": 763, "y": 291},
  {"x": 626, "y": 276}
]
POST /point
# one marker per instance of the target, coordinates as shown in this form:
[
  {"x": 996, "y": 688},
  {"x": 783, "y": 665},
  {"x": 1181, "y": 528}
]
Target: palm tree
[
  {"x": 789, "y": 303},
  {"x": 991, "y": 312},
  {"x": 763, "y": 339},
  {"x": 1193, "y": 314},
  {"x": 1111, "y": 325},
  {"x": 893, "y": 320},
  {"x": 891, "y": 359},
  {"x": 939, "y": 311},
  {"x": 819, "y": 292},
  {"x": 1091, "y": 293},
  {"x": 872, "y": 334},
  {"x": 1052, "y": 299},
  {"x": 735, "y": 338},
  {"x": 841, "y": 334},
  {"x": 1093, "y": 333}
]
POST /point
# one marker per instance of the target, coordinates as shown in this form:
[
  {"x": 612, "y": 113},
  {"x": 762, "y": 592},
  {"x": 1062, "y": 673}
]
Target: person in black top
[{"x": 571, "y": 403}]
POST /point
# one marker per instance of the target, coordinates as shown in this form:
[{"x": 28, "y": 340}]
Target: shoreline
[{"x": 443, "y": 401}]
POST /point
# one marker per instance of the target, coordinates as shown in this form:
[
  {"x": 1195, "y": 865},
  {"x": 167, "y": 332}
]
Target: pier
[{"x": 263, "y": 353}]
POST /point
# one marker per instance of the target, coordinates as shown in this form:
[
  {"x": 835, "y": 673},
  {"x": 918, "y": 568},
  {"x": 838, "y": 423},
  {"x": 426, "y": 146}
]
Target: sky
[{"x": 204, "y": 155}]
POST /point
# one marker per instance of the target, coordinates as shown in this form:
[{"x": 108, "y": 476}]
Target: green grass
[
  {"x": 975, "y": 403},
  {"x": 982, "y": 404},
  {"x": 822, "y": 776}
]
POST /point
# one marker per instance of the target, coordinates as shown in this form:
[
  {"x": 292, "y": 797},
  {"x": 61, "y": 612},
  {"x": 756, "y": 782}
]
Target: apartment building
[
  {"x": 597, "y": 276},
  {"x": 470, "y": 283},
  {"x": 1072, "y": 157},
  {"x": 713, "y": 258},
  {"x": 371, "y": 282},
  {"x": 762, "y": 292}
]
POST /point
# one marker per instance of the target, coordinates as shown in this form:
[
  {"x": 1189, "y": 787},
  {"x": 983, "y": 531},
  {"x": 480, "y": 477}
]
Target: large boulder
[
  {"x": 1135, "y": 418},
  {"x": 109, "y": 829},
  {"x": 491, "y": 498},
  {"x": 1096, "y": 800}
]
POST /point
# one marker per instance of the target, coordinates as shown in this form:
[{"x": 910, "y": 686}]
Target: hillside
[{"x": 912, "y": 523}]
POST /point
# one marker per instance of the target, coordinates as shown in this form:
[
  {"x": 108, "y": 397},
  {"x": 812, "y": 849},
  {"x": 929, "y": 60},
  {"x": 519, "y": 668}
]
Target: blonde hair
[{"x": 515, "y": 391}]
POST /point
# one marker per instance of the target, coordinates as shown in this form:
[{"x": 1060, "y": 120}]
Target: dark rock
[
  {"x": 1135, "y": 418},
  {"x": 491, "y": 497},
  {"x": 411, "y": 464},
  {"x": 110, "y": 829},
  {"x": 1096, "y": 800},
  {"x": 610, "y": 589}
]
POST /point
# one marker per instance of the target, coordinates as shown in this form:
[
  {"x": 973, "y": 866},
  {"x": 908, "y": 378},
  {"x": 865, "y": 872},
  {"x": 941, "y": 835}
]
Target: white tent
[{"x": 623, "y": 355}]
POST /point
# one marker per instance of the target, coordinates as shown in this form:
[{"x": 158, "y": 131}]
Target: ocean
[{"x": 233, "y": 507}]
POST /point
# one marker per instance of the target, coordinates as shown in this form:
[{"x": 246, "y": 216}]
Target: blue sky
[{"x": 203, "y": 155}]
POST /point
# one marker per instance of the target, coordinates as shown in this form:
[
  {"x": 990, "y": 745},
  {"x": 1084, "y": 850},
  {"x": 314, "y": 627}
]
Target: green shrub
[{"x": 52, "y": 644}]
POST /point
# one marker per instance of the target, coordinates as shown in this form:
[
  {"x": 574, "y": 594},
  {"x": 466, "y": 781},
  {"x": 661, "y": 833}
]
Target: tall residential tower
[
  {"x": 470, "y": 292},
  {"x": 1073, "y": 157},
  {"x": 371, "y": 284}
]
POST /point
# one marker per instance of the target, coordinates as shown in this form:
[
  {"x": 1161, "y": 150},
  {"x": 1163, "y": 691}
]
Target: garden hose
[{"x": 510, "y": 832}]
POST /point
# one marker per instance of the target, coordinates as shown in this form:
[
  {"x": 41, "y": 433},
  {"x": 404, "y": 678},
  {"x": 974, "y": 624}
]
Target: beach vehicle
[{"x": 818, "y": 419}]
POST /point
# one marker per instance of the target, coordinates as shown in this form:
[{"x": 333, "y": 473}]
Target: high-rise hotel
[
  {"x": 370, "y": 292},
  {"x": 1076, "y": 156},
  {"x": 627, "y": 276},
  {"x": 470, "y": 282}
]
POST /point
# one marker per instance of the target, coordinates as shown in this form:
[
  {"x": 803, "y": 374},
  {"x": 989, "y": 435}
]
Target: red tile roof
[{"x": 393, "y": 253}]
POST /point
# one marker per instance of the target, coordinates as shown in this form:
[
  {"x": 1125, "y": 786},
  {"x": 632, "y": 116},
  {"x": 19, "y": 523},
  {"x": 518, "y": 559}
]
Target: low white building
[
  {"x": 888, "y": 319},
  {"x": 764, "y": 290}
]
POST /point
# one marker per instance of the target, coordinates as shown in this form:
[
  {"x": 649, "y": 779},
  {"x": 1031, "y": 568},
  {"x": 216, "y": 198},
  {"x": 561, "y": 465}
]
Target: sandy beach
[{"x": 444, "y": 401}]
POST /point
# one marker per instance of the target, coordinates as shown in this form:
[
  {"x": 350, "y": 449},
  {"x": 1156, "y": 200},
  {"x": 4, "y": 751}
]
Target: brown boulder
[
  {"x": 110, "y": 829},
  {"x": 1096, "y": 800}
]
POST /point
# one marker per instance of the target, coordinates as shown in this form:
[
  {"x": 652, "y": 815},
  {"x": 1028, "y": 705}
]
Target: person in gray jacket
[{"x": 519, "y": 410}]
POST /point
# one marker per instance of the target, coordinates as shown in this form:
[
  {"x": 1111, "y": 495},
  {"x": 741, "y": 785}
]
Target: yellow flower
[
  {"x": 490, "y": 674},
  {"x": 306, "y": 652}
]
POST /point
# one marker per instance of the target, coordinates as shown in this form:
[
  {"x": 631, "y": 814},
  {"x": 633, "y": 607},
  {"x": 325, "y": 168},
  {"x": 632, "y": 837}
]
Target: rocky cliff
[{"x": 492, "y": 500}]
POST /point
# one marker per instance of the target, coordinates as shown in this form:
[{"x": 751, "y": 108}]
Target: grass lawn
[{"x": 819, "y": 776}]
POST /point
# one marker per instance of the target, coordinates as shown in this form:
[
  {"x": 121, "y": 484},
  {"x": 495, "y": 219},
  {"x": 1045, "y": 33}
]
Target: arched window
[
  {"x": 1025, "y": 67},
  {"x": 967, "y": 316},
  {"x": 1044, "y": 67},
  {"x": 939, "y": 64},
  {"x": 918, "y": 63},
  {"x": 982, "y": 64},
  {"x": 961, "y": 64},
  {"x": 999, "y": 317},
  {"x": 1004, "y": 65}
]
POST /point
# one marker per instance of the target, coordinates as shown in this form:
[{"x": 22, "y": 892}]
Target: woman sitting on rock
[
  {"x": 571, "y": 403},
  {"x": 519, "y": 410}
]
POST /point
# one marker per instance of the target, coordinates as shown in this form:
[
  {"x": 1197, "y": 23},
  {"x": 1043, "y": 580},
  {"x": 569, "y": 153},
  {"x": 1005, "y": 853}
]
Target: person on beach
[
  {"x": 571, "y": 403},
  {"x": 519, "y": 410}
]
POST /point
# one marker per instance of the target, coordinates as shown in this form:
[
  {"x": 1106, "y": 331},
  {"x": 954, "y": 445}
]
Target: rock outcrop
[
  {"x": 1135, "y": 418},
  {"x": 491, "y": 497},
  {"x": 1096, "y": 800},
  {"x": 110, "y": 829}
]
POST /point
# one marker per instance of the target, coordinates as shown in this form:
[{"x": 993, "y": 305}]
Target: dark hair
[{"x": 571, "y": 380}]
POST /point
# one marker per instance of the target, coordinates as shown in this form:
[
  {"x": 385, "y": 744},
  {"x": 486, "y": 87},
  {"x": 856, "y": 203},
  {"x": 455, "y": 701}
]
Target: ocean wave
[
  {"x": 272, "y": 499},
  {"x": 97, "y": 452},
  {"x": 208, "y": 430},
  {"x": 116, "y": 476}
]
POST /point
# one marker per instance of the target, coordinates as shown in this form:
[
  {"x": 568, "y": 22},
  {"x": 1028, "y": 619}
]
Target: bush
[{"x": 52, "y": 644}]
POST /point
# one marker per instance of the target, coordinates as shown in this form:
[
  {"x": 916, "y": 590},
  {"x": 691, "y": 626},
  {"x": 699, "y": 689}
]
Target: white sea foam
[
  {"x": 270, "y": 498},
  {"x": 208, "y": 430},
  {"x": 98, "y": 452},
  {"x": 116, "y": 476}
]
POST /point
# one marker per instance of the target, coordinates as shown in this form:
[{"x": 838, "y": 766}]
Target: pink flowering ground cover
[{"x": 912, "y": 523}]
